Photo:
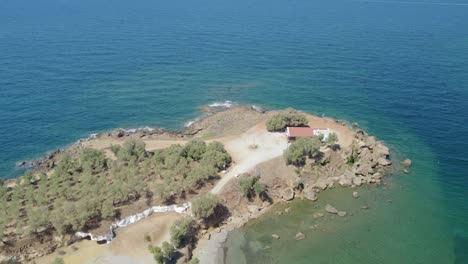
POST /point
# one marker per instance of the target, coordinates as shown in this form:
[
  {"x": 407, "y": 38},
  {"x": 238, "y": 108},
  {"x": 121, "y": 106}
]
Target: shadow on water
[{"x": 461, "y": 248}]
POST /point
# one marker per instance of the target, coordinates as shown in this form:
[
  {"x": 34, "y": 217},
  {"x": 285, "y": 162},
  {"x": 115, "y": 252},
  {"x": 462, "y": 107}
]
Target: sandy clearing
[
  {"x": 128, "y": 246},
  {"x": 269, "y": 146},
  {"x": 344, "y": 133}
]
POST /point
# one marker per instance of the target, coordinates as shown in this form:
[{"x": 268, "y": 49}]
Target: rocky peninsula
[{"x": 249, "y": 172}]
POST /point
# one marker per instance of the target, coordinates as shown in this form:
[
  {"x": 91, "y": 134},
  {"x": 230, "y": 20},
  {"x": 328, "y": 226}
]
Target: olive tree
[
  {"x": 289, "y": 117},
  {"x": 182, "y": 231},
  {"x": 204, "y": 206},
  {"x": 298, "y": 151}
]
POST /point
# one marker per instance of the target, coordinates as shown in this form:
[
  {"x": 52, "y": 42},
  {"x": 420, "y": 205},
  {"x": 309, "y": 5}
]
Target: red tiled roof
[{"x": 300, "y": 132}]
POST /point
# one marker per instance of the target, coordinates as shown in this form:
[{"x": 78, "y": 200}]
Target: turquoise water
[{"x": 399, "y": 69}]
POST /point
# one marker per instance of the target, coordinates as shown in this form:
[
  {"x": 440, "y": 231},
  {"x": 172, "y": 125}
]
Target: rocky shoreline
[
  {"x": 49, "y": 160},
  {"x": 372, "y": 162},
  {"x": 361, "y": 159}
]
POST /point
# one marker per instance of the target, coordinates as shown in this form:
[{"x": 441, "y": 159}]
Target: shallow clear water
[{"x": 399, "y": 69}]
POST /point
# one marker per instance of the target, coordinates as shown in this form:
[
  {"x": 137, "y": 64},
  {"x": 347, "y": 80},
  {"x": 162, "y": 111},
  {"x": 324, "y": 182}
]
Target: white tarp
[{"x": 133, "y": 219}]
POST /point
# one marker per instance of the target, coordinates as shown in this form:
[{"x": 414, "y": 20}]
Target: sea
[{"x": 399, "y": 69}]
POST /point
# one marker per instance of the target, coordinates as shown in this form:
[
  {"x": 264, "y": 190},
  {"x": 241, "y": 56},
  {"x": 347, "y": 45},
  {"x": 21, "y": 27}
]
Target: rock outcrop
[
  {"x": 310, "y": 194},
  {"x": 299, "y": 236},
  {"x": 330, "y": 209},
  {"x": 287, "y": 194}
]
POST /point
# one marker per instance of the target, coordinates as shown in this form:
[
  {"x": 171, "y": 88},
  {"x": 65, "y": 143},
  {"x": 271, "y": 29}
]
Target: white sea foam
[
  {"x": 258, "y": 108},
  {"x": 138, "y": 129},
  {"x": 225, "y": 104},
  {"x": 189, "y": 123}
]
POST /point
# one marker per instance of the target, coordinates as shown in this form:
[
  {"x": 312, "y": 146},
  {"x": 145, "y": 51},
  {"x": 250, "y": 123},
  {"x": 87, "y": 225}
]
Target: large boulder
[
  {"x": 345, "y": 182},
  {"x": 287, "y": 194},
  {"x": 253, "y": 209},
  {"x": 362, "y": 144},
  {"x": 317, "y": 215},
  {"x": 310, "y": 194},
  {"x": 384, "y": 162},
  {"x": 118, "y": 133},
  {"x": 322, "y": 183},
  {"x": 357, "y": 181},
  {"x": 382, "y": 150},
  {"x": 300, "y": 236},
  {"x": 371, "y": 142},
  {"x": 363, "y": 169},
  {"x": 330, "y": 209}
]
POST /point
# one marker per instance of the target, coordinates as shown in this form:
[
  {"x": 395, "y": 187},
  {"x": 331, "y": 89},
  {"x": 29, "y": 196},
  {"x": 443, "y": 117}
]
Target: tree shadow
[
  {"x": 149, "y": 198},
  {"x": 335, "y": 147},
  {"x": 317, "y": 157},
  {"x": 175, "y": 258},
  {"x": 461, "y": 244},
  {"x": 221, "y": 213},
  {"x": 265, "y": 197}
]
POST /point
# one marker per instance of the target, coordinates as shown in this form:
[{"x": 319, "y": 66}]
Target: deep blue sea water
[{"x": 398, "y": 68}]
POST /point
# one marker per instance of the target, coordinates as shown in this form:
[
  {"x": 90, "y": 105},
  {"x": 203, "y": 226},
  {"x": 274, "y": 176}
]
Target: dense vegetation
[
  {"x": 184, "y": 231},
  {"x": 303, "y": 148},
  {"x": 289, "y": 117},
  {"x": 85, "y": 188},
  {"x": 251, "y": 186}
]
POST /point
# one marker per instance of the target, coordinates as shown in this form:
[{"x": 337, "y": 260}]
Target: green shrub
[
  {"x": 302, "y": 148},
  {"x": 115, "y": 148},
  {"x": 132, "y": 150},
  {"x": 157, "y": 253},
  {"x": 92, "y": 160},
  {"x": 289, "y": 117},
  {"x": 194, "y": 149},
  {"x": 216, "y": 156},
  {"x": 58, "y": 261},
  {"x": 332, "y": 139},
  {"x": 168, "y": 250},
  {"x": 182, "y": 231},
  {"x": 203, "y": 207},
  {"x": 251, "y": 186},
  {"x": 147, "y": 237}
]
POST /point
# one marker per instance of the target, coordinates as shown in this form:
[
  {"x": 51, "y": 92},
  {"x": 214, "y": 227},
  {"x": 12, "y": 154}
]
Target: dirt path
[{"x": 268, "y": 146}]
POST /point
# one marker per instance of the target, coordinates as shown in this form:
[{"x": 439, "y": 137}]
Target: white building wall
[{"x": 324, "y": 132}]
